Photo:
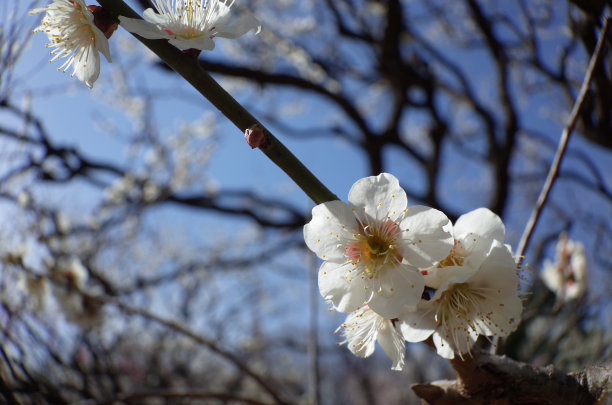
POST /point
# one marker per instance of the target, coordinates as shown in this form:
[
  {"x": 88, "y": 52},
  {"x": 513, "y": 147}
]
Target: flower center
[
  {"x": 377, "y": 246},
  {"x": 458, "y": 302},
  {"x": 455, "y": 257},
  {"x": 374, "y": 247}
]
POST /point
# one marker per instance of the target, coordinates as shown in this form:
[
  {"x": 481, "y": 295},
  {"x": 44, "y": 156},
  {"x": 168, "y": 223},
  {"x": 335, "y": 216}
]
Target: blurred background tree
[{"x": 149, "y": 256}]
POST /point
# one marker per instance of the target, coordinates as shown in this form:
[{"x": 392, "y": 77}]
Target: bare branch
[{"x": 554, "y": 168}]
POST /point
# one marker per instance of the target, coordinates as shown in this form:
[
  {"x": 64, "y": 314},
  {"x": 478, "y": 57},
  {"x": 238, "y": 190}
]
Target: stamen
[
  {"x": 374, "y": 247},
  {"x": 459, "y": 313}
]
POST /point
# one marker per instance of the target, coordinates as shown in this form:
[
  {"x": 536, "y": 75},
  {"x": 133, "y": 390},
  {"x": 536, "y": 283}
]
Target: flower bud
[{"x": 255, "y": 136}]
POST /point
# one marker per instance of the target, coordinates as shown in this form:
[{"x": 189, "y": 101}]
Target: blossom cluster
[
  {"x": 405, "y": 273},
  {"x": 80, "y": 32}
]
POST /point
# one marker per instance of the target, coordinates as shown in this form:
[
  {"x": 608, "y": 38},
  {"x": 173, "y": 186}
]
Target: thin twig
[
  {"x": 177, "y": 327},
  {"x": 554, "y": 168}
]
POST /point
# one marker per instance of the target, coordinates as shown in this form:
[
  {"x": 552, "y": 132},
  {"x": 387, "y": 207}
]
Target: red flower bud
[{"x": 255, "y": 136}]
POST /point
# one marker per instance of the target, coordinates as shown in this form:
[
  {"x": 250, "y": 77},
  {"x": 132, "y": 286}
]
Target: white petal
[
  {"x": 476, "y": 250},
  {"x": 219, "y": 13},
  {"x": 500, "y": 321},
  {"x": 475, "y": 232},
  {"x": 447, "y": 349},
  {"x": 465, "y": 341},
  {"x": 37, "y": 10},
  {"x": 498, "y": 275},
  {"x": 239, "y": 27},
  {"x": 439, "y": 278},
  {"x": 574, "y": 290},
  {"x": 86, "y": 65},
  {"x": 142, "y": 28},
  {"x": 393, "y": 344},
  {"x": 481, "y": 221},
  {"x": 151, "y": 16},
  {"x": 332, "y": 223},
  {"x": 102, "y": 44},
  {"x": 204, "y": 43},
  {"x": 454, "y": 275},
  {"x": 419, "y": 324},
  {"x": 443, "y": 348},
  {"x": 436, "y": 276},
  {"x": 381, "y": 196},
  {"x": 456, "y": 337},
  {"x": 396, "y": 287},
  {"x": 551, "y": 276},
  {"x": 498, "y": 271},
  {"x": 345, "y": 295},
  {"x": 426, "y": 236},
  {"x": 579, "y": 263}
]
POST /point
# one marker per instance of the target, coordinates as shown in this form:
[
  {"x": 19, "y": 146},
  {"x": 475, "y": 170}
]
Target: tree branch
[
  {"x": 554, "y": 168},
  {"x": 188, "y": 67},
  {"x": 487, "y": 379}
]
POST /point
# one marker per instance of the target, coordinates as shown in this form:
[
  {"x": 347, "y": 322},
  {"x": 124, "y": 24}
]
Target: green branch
[{"x": 188, "y": 67}]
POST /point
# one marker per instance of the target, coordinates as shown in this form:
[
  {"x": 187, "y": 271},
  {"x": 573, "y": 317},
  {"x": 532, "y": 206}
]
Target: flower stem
[{"x": 188, "y": 67}]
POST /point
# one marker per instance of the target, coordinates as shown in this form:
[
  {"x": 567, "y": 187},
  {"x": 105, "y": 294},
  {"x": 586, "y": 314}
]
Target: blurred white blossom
[
  {"x": 567, "y": 275},
  {"x": 71, "y": 290},
  {"x": 121, "y": 190},
  {"x": 37, "y": 289}
]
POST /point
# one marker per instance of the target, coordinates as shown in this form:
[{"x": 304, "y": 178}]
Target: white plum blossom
[
  {"x": 373, "y": 247},
  {"x": 70, "y": 27},
  {"x": 191, "y": 24},
  {"x": 567, "y": 276},
  {"x": 363, "y": 328},
  {"x": 475, "y": 290}
]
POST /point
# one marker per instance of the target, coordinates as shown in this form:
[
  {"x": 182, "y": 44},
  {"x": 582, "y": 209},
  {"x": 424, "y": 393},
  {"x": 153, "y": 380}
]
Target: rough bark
[{"x": 498, "y": 380}]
